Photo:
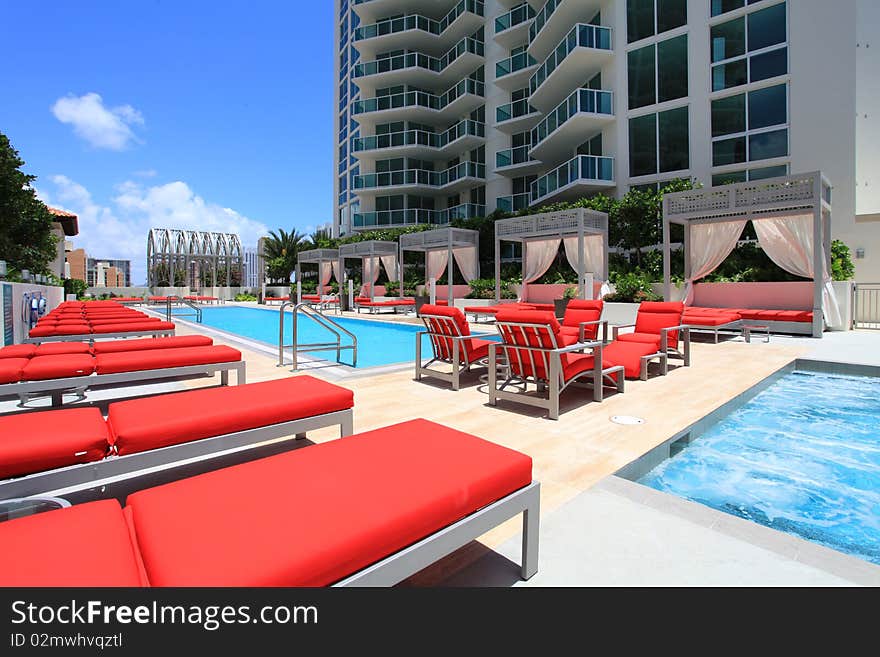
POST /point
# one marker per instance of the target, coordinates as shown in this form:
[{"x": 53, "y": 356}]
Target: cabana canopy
[
  {"x": 371, "y": 253},
  {"x": 328, "y": 265},
  {"x": 583, "y": 232},
  {"x": 442, "y": 246},
  {"x": 790, "y": 214}
]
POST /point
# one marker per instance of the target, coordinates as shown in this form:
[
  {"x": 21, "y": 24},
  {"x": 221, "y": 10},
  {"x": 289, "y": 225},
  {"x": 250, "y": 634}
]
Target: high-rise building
[
  {"x": 254, "y": 265},
  {"x": 97, "y": 272},
  {"x": 451, "y": 109}
]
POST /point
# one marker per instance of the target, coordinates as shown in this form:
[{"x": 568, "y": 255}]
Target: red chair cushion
[
  {"x": 60, "y": 366},
  {"x": 151, "y": 422},
  {"x": 42, "y": 331},
  {"x": 578, "y": 363},
  {"x": 172, "y": 342},
  {"x": 151, "y": 359},
  {"x": 628, "y": 354},
  {"x": 55, "y": 348},
  {"x": 582, "y": 310},
  {"x": 313, "y": 516},
  {"x": 11, "y": 369},
  {"x": 134, "y": 327},
  {"x": 18, "y": 351},
  {"x": 36, "y": 442},
  {"x": 83, "y": 545},
  {"x": 67, "y": 329},
  {"x": 655, "y": 315},
  {"x": 709, "y": 320},
  {"x": 455, "y": 314},
  {"x": 642, "y": 338}
]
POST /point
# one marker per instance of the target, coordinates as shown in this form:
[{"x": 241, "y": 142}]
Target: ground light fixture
[{"x": 626, "y": 419}]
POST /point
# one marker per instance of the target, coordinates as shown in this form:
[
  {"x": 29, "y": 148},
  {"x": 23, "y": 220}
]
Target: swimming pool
[
  {"x": 379, "y": 343},
  {"x": 802, "y": 457}
]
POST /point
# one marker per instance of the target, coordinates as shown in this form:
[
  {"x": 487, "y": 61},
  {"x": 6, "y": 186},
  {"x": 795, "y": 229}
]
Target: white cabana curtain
[
  {"x": 435, "y": 263},
  {"x": 390, "y": 264},
  {"x": 466, "y": 259},
  {"x": 788, "y": 241},
  {"x": 711, "y": 243},
  {"x": 538, "y": 255},
  {"x": 371, "y": 274},
  {"x": 325, "y": 270},
  {"x": 337, "y": 273},
  {"x": 594, "y": 259}
]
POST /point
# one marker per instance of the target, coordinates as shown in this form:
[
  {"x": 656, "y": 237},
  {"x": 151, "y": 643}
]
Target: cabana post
[
  {"x": 371, "y": 253},
  {"x": 452, "y": 241},
  {"x": 573, "y": 228}
]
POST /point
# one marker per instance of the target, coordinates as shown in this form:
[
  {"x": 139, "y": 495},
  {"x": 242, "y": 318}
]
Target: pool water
[
  {"x": 379, "y": 343},
  {"x": 802, "y": 457}
]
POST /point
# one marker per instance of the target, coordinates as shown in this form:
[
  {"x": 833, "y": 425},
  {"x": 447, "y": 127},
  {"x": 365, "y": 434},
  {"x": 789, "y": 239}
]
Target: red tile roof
[{"x": 69, "y": 221}]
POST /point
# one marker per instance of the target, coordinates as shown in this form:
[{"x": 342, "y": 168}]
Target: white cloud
[
  {"x": 119, "y": 230},
  {"x": 100, "y": 126},
  {"x": 146, "y": 173}
]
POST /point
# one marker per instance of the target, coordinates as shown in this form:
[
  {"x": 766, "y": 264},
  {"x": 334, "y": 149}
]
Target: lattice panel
[
  {"x": 318, "y": 255},
  {"x": 549, "y": 223},
  {"x": 373, "y": 247},
  {"x": 762, "y": 193},
  {"x": 699, "y": 201}
]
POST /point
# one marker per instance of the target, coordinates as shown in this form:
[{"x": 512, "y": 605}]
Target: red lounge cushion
[
  {"x": 641, "y": 338},
  {"x": 11, "y": 369},
  {"x": 83, "y": 545},
  {"x": 36, "y": 442},
  {"x": 60, "y": 366},
  {"x": 470, "y": 350},
  {"x": 581, "y": 310},
  {"x": 154, "y": 359},
  {"x": 708, "y": 320},
  {"x": 578, "y": 363},
  {"x": 43, "y": 331},
  {"x": 482, "y": 310},
  {"x": 69, "y": 329},
  {"x": 628, "y": 354},
  {"x": 456, "y": 315},
  {"x": 133, "y": 327},
  {"x": 549, "y": 307},
  {"x": 313, "y": 516},
  {"x": 55, "y": 348},
  {"x": 151, "y": 422},
  {"x": 18, "y": 351},
  {"x": 173, "y": 342}
]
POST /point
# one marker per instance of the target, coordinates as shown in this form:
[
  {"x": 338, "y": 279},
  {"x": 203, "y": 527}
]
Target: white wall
[{"x": 54, "y": 296}]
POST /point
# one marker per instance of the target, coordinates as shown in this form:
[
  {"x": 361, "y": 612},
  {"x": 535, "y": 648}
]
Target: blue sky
[{"x": 171, "y": 113}]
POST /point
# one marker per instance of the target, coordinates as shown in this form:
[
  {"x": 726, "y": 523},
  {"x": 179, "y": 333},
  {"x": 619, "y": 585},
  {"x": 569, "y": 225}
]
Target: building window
[
  {"x": 749, "y": 127},
  {"x": 645, "y": 18},
  {"x": 761, "y": 32},
  {"x": 659, "y": 143},
  {"x": 751, "y": 174},
  {"x": 658, "y": 73}
]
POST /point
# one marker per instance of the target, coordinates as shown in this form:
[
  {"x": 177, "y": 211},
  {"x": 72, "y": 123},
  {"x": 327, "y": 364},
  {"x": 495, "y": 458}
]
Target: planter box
[
  {"x": 620, "y": 313},
  {"x": 843, "y": 290}
]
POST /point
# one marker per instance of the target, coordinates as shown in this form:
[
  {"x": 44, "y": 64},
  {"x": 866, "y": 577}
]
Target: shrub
[
  {"x": 75, "y": 286},
  {"x": 245, "y": 297},
  {"x": 633, "y": 287},
  {"x": 484, "y": 288},
  {"x": 842, "y": 267}
]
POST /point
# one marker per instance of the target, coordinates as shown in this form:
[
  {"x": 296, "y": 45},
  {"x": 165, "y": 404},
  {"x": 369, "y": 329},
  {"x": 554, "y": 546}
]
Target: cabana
[
  {"x": 328, "y": 265},
  {"x": 790, "y": 215},
  {"x": 442, "y": 247},
  {"x": 583, "y": 232},
  {"x": 371, "y": 253}
]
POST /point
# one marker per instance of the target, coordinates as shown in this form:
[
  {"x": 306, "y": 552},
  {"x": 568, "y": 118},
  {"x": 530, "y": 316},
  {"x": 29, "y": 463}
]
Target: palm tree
[
  {"x": 280, "y": 250},
  {"x": 320, "y": 239}
]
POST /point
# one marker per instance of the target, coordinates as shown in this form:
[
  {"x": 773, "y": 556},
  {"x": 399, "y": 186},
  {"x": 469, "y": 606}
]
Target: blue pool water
[
  {"x": 379, "y": 343},
  {"x": 801, "y": 457}
]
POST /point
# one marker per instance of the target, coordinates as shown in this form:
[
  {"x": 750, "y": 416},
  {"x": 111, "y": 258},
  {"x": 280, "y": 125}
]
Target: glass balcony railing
[
  {"x": 419, "y": 98},
  {"x": 513, "y": 110},
  {"x": 583, "y": 36},
  {"x": 421, "y": 137},
  {"x": 421, "y": 177},
  {"x": 588, "y": 101},
  {"x": 512, "y": 156},
  {"x": 418, "y": 22},
  {"x": 414, "y": 216},
  {"x": 419, "y": 60},
  {"x": 513, "y": 203},
  {"x": 542, "y": 17},
  {"x": 581, "y": 168},
  {"x": 514, "y": 64},
  {"x": 514, "y": 17}
]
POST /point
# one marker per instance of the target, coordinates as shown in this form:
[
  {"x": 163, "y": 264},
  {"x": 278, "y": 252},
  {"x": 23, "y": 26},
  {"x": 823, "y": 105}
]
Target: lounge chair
[
  {"x": 452, "y": 344},
  {"x": 280, "y": 300},
  {"x": 659, "y": 323},
  {"x": 76, "y": 453},
  {"x": 377, "y": 306},
  {"x": 74, "y": 373},
  {"x": 582, "y": 320},
  {"x": 366, "y": 510},
  {"x": 535, "y": 351}
]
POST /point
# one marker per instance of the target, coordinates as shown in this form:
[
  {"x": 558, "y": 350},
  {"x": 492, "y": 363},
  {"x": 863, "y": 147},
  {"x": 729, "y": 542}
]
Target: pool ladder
[
  {"x": 170, "y": 301},
  {"x": 322, "y": 320}
]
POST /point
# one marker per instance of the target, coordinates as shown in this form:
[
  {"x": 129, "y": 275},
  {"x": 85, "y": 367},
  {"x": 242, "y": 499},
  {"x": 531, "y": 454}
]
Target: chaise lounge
[
  {"x": 452, "y": 343},
  {"x": 366, "y": 510}
]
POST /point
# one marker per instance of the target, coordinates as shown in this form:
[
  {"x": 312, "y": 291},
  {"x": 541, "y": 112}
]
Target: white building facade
[
  {"x": 450, "y": 109},
  {"x": 254, "y": 266}
]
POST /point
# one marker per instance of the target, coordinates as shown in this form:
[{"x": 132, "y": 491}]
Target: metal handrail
[
  {"x": 321, "y": 319},
  {"x": 170, "y": 301}
]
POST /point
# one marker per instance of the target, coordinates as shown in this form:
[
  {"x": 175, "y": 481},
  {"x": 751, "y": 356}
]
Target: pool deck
[{"x": 597, "y": 529}]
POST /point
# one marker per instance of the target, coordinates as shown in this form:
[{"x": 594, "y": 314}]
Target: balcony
[
  {"x": 516, "y": 117},
  {"x": 464, "y": 97},
  {"x": 554, "y": 20},
  {"x": 513, "y": 203},
  {"x": 514, "y": 72},
  {"x": 516, "y": 162},
  {"x": 419, "y": 69},
  {"x": 411, "y": 217},
  {"x": 582, "y": 175},
  {"x": 371, "y": 11},
  {"x": 578, "y": 117},
  {"x": 461, "y": 176},
  {"x": 512, "y": 28},
  {"x": 433, "y": 37},
  {"x": 581, "y": 54},
  {"x": 463, "y": 136}
]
